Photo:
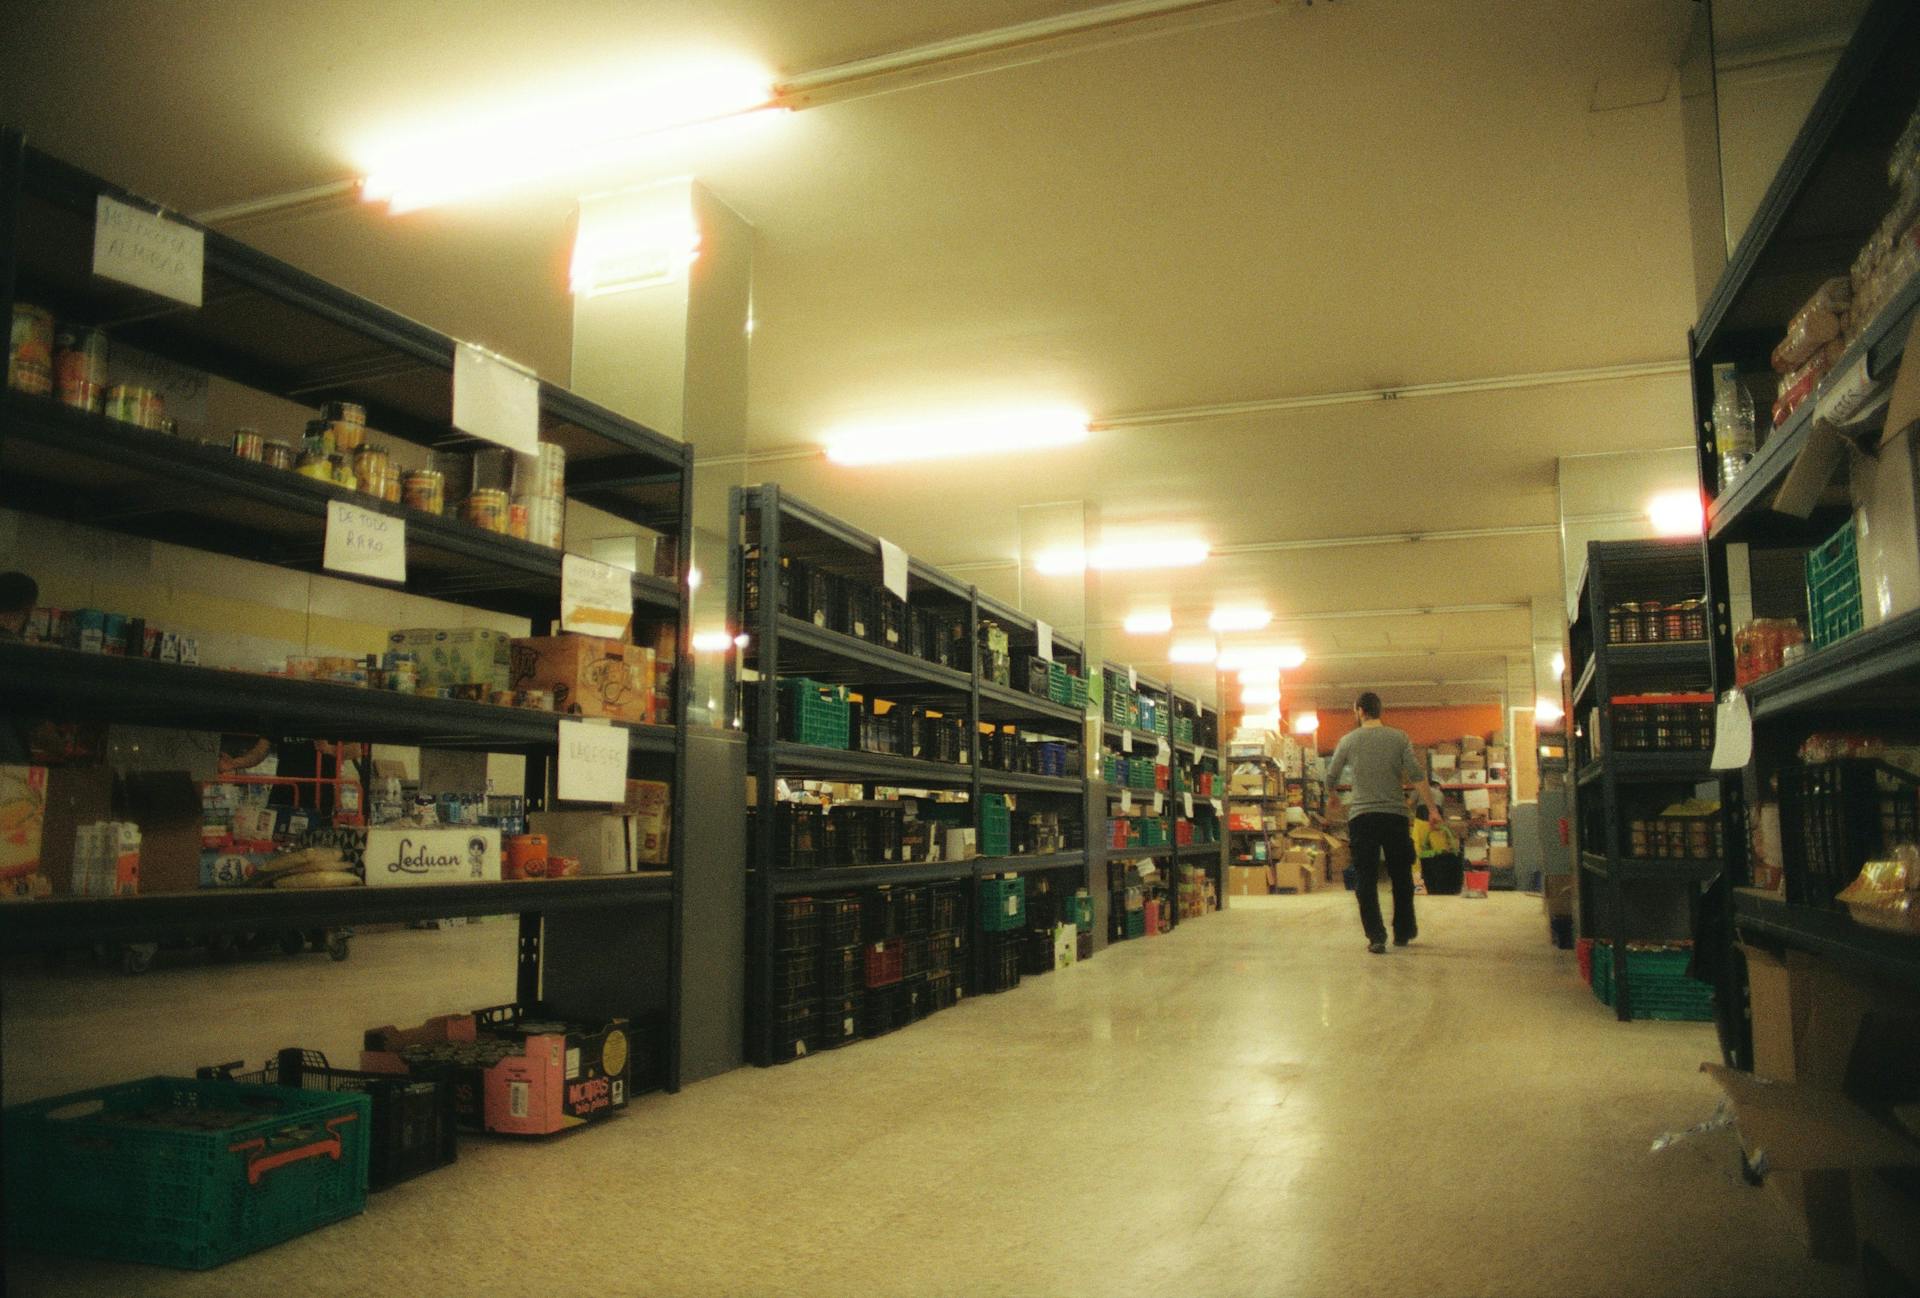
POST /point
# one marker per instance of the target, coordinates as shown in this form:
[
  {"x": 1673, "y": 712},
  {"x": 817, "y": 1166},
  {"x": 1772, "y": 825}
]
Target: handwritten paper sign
[
  {"x": 1126, "y": 802},
  {"x": 593, "y": 762},
  {"x": 1159, "y": 803},
  {"x": 1045, "y": 634},
  {"x": 365, "y": 543},
  {"x": 1187, "y": 801},
  {"x": 148, "y": 251},
  {"x": 1126, "y": 741},
  {"x": 595, "y": 598},
  {"x": 1732, "y": 732},
  {"x": 1216, "y": 805},
  {"x": 893, "y": 568},
  {"x": 496, "y": 399}
]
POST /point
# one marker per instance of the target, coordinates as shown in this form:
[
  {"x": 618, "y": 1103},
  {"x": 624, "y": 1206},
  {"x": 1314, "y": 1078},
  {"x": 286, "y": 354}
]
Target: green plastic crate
[
  {"x": 1059, "y": 686},
  {"x": 1077, "y": 691},
  {"x": 996, "y": 825},
  {"x": 1136, "y": 922},
  {"x": 1660, "y": 989},
  {"x": 819, "y": 714},
  {"x": 182, "y": 1173},
  {"x": 1183, "y": 730},
  {"x": 1077, "y": 910},
  {"x": 1140, "y": 774},
  {"x": 1834, "y": 610},
  {"x": 1003, "y": 905},
  {"x": 1110, "y": 768}
]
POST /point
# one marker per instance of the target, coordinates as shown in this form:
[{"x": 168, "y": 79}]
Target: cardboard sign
[
  {"x": 496, "y": 399},
  {"x": 593, "y": 762},
  {"x": 1216, "y": 806},
  {"x": 1045, "y": 634},
  {"x": 365, "y": 543},
  {"x": 893, "y": 568},
  {"x": 595, "y": 598},
  {"x": 1133, "y": 679},
  {"x": 148, "y": 251}
]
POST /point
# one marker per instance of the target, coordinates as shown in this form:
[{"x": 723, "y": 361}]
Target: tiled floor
[{"x": 1251, "y": 1105}]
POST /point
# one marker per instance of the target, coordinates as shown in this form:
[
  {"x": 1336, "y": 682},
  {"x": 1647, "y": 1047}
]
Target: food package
[
  {"x": 1815, "y": 325},
  {"x": 1886, "y": 894},
  {"x": 1799, "y": 385},
  {"x": 1903, "y": 163},
  {"x": 23, "y": 809}
]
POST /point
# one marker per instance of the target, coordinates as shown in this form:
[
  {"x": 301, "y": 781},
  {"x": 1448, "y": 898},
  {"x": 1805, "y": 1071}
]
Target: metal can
[
  {"x": 344, "y": 412},
  {"x": 248, "y": 444},
  {"x": 517, "y": 521},
  {"x": 30, "y": 350},
  {"x": 80, "y": 368},
  {"x": 371, "y": 466},
  {"x": 487, "y": 509},
  {"x": 276, "y": 455},
  {"x": 131, "y": 404},
  {"x": 426, "y": 490}
]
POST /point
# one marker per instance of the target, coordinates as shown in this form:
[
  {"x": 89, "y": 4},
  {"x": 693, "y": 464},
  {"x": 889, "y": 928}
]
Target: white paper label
[
  {"x": 1732, "y": 732},
  {"x": 495, "y": 399},
  {"x": 148, "y": 251},
  {"x": 1126, "y": 741},
  {"x": 1133, "y": 679},
  {"x": 593, "y": 762},
  {"x": 365, "y": 543},
  {"x": 1216, "y": 806},
  {"x": 1044, "y": 637},
  {"x": 595, "y": 598},
  {"x": 1164, "y": 751},
  {"x": 573, "y": 1062},
  {"x": 1159, "y": 803},
  {"x": 893, "y": 568},
  {"x": 1126, "y": 802},
  {"x": 1186, "y": 800}
]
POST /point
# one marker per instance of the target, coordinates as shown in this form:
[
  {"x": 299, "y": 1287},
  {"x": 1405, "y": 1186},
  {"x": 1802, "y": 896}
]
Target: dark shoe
[
  {"x": 1402, "y": 941},
  {"x": 1378, "y": 948}
]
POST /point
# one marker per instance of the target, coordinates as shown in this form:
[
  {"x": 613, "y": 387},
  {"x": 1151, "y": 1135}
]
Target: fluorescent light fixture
[
  {"x": 1267, "y": 660},
  {"x": 1240, "y": 619},
  {"x": 987, "y": 432},
  {"x": 1559, "y": 664},
  {"x": 547, "y": 133},
  {"x": 1149, "y": 623},
  {"x": 1291, "y": 657},
  {"x": 1546, "y": 711},
  {"x": 1123, "y": 556},
  {"x": 1306, "y": 723},
  {"x": 712, "y": 642},
  {"x": 1259, "y": 695},
  {"x": 1677, "y": 513},
  {"x": 1193, "y": 651},
  {"x": 1260, "y": 721}
]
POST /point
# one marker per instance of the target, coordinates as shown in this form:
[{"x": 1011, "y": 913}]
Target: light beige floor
[{"x": 1252, "y": 1105}]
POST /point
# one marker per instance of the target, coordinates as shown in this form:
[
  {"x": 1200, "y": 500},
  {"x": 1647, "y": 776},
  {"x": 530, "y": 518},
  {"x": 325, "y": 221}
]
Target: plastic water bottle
[{"x": 1732, "y": 424}]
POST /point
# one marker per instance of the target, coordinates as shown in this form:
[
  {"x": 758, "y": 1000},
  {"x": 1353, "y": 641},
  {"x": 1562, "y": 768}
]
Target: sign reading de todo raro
[{"x": 460, "y": 854}]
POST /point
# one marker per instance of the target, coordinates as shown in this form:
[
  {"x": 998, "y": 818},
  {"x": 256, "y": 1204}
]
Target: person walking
[{"x": 1380, "y": 760}]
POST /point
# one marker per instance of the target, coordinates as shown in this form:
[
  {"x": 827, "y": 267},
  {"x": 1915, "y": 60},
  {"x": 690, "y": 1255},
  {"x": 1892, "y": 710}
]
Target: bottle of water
[{"x": 1732, "y": 424}]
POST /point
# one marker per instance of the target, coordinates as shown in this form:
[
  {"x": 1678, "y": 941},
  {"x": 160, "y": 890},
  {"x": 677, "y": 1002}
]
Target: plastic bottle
[{"x": 1732, "y": 424}]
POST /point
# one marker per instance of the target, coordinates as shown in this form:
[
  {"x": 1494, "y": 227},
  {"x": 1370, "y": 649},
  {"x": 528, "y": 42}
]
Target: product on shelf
[
  {"x": 80, "y": 368},
  {"x": 30, "y": 350},
  {"x": 1657, "y": 621},
  {"x": 1886, "y": 893},
  {"x": 1662, "y": 723},
  {"x": 23, "y": 810},
  {"x": 448, "y": 657},
  {"x": 1814, "y": 326},
  {"x": 1732, "y": 423},
  {"x": 1797, "y": 386},
  {"x": 1760, "y": 646},
  {"x": 1685, "y": 831}
]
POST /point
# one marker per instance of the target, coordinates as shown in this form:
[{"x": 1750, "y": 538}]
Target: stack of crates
[
  {"x": 1059, "y": 683},
  {"x": 1659, "y": 984},
  {"x": 794, "y": 1009},
  {"x": 1077, "y": 910},
  {"x": 1120, "y": 698},
  {"x": 946, "y": 946},
  {"x": 843, "y": 971},
  {"x": 1077, "y": 691},
  {"x": 1036, "y": 951},
  {"x": 1183, "y": 729},
  {"x": 1003, "y": 910},
  {"x": 995, "y": 660},
  {"x": 996, "y": 825},
  {"x": 815, "y": 713}
]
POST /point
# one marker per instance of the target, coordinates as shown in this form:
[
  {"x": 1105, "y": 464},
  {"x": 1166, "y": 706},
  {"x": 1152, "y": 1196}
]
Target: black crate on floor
[
  {"x": 796, "y": 924},
  {"x": 919, "y": 999},
  {"x": 946, "y": 951},
  {"x": 794, "y": 1028},
  {"x": 843, "y": 970},
  {"x": 1036, "y": 953},
  {"x": 943, "y": 992},
  {"x": 949, "y": 907},
  {"x": 1837, "y": 816},
  {"x": 1000, "y": 955},
  {"x": 1043, "y": 910},
  {"x": 882, "y": 1010},
  {"x": 839, "y": 1021},
  {"x": 796, "y": 974},
  {"x": 1083, "y": 946},
  {"x": 883, "y": 914},
  {"x": 839, "y": 920}
]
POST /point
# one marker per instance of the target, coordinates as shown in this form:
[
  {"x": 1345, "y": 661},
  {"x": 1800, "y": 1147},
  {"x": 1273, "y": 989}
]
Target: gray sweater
[{"x": 1380, "y": 761}]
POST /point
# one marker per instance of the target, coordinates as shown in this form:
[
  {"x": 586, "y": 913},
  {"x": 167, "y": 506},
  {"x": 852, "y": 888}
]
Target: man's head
[
  {"x": 18, "y": 594},
  {"x": 1367, "y": 706}
]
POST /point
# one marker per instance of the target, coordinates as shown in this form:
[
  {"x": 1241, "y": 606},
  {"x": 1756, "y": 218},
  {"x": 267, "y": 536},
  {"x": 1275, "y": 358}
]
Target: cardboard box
[
  {"x": 76, "y": 796},
  {"x": 1476, "y": 800},
  {"x": 457, "y": 854},
  {"x": 166, "y": 806},
  {"x": 1500, "y": 856},
  {"x": 1445, "y": 750},
  {"x": 1443, "y": 765},
  {"x": 649, "y": 809},
  {"x": 1885, "y": 489},
  {"x": 587, "y": 676},
  {"x": 23, "y": 818},
  {"x": 450, "y": 656},
  {"x": 553, "y": 1080},
  {"x": 596, "y": 839},
  {"x": 1249, "y": 881},
  {"x": 1496, "y": 755},
  {"x": 1472, "y": 744},
  {"x": 1066, "y": 941}
]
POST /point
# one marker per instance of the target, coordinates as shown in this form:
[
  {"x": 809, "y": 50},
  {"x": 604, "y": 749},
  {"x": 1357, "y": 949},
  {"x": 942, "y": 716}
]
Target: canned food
[
  {"x": 426, "y": 490},
  {"x": 487, "y": 509},
  {"x": 248, "y": 444},
  {"x": 527, "y": 856},
  {"x": 30, "y": 351},
  {"x": 276, "y": 455},
  {"x": 130, "y": 404},
  {"x": 344, "y": 412},
  {"x": 80, "y": 368},
  {"x": 314, "y": 465},
  {"x": 370, "y": 461},
  {"x": 517, "y": 521}
]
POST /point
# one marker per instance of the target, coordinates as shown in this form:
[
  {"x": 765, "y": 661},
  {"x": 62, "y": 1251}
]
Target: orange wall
[{"x": 1423, "y": 725}]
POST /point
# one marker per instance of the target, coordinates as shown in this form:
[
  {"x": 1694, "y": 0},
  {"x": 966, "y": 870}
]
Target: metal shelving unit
[
  {"x": 1823, "y": 204},
  {"x": 268, "y": 326},
  {"x": 1611, "y": 782},
  {"x": 772, "y": 524}
]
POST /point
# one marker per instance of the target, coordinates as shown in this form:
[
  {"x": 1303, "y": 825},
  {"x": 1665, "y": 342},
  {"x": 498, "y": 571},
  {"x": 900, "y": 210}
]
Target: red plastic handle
[{"x": 330, "y": 1148}]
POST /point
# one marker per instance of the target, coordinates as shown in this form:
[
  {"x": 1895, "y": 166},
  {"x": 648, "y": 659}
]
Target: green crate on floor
[
  {"x": 1003, "y": 904},
  {"x": 996, "y": 825},
  {"x": 1834, "y": 609},
  {"x": 1136, "y": 923},
  {"x": 1660, "y": 986},
  {"x": 816, "y": 713},
  {"x": 182, "y": 1173},
  {"x": 1077, "y": 910}
]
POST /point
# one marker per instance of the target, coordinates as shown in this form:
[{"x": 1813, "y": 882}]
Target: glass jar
[
  {"x": 1630, "y": 624},
  {"x": 1675, "y": 621},
  {"x": 1696, "y": 619},
  {"x": 1616, "y": 624},
  {"x": 1653, "y": 627}
]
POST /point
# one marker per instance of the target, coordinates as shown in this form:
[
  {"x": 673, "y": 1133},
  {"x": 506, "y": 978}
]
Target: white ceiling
[{"x": 1342, "y": 196}]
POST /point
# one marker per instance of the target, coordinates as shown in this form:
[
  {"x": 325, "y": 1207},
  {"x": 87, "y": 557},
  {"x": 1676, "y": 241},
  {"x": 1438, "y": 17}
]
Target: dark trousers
[{"x": 1373, "y": 836}]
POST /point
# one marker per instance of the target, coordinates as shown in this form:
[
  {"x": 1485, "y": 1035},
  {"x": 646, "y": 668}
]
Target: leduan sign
[
  {"x": 148, "y": 251},
  {"x": 458, "y": 854},
  {"x": 364, "y": 542}
]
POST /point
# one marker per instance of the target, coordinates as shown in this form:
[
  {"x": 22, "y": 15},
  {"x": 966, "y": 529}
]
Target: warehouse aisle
[{"x": 1252, "y": 1105}]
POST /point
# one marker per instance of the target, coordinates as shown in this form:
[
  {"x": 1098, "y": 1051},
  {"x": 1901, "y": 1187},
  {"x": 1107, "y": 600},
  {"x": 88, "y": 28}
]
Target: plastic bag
[
  {"x": 1903, "y": 164},
  {"x": 1800, "y": 384},
  {"x": 1816, "y": 324},
  {"x": 1886, "y": 893}
]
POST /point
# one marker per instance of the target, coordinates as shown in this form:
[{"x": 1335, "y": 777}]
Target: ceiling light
[
  {"x": 546, "y": 135},
  {"x": 1149, "y": 623},
  {"x": 1240, "y": 619},
  {"x": 712, "y": 642},
  {"x": 1306, "y": 723},
  {"x": 1260, "y": 721},
  {"x": 1123, "y": 556},
  {"x": 742, "y": 640},
  {"x": 1193, "y": 651},
  {"x": 1677, "y": 513},
  {"x": 1258, "y": 675},
  {"x": 1546, "y": 711},
  {"x": 984, "y": 433},
  {"x": 1291, "y": 657},
  {"x": 1262, "y": 659},
  {"x": 1259, "y": 695}
]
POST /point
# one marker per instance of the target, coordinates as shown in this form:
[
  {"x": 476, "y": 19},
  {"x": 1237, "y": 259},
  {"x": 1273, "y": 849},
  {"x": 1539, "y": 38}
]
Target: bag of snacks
[{"x": 1815, "y": 325}]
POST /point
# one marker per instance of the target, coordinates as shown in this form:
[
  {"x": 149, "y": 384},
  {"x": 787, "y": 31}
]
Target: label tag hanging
[
  {"x": 148, "y": 251},
  {"x": 496, "y": 399}
]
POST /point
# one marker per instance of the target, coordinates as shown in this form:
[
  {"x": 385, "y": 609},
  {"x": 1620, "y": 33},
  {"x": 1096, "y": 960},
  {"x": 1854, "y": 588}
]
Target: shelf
[
  {"x": 80, "y": 921},
  {"x": 876, "y": 671},
  {"x": 999, "y": 703},
  {"x": 836, "y": 532},
  {"x": 1490, "y": 784},
  {"x": 1039, "y": 864},
  {"x": 1148, "y": 739},
  {"x": 1635, "y": 871},
  {"x": 1588, "y": 675},
  {"x": 42, "y": 682},
  {"x": 87, "y": 469},
  {"x": 1200, "y": 852},
  {"x": 1869, "y": 671},
  {"x": 1650, "y": 768},
  {"x": 1826, "y": 933},
  {"x": 1018, "y": 782},
  {"x": 791, "y": 883},
  {"x": 883, "y": 768},
  {"x": 1128, "y": 853}
]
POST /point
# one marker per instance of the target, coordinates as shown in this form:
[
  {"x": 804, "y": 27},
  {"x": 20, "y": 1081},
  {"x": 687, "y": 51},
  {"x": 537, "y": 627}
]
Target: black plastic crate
[
  {"x": 795, "y": 1026},
  {"x": 796, "y": 974},
  {"x": 799, "y": 835},
  {"x": 1837, "y": 816},
  {"x": 919, "y": 999},
  {"x": 839, "y": 920},
  {"x": 859, "y": 618},
  {"x": 1043, "y": 910},
  {"x": 1036, "y": 952},
  {"x": 916, "y": 906},
  {"x": 883, "y": 914},
  {"x": 1030, "y": 673},
  {"x": 875, "y": 732},
  {"x": 949, "y": 908},
  {"x": 825, "y": 599},
  {"x": 889, "y": 620},
  {"x": 883, "y": 1009},
  {"x": 796, "y": 924},
  {"x": 1000, "y": 960},
  {"x": 943, "y": 992},
  {"x": 914, "y": 958},
  {"x": 839, "y": 1021},
  {"x": 843, "y": 970},
  {"x": 946, "y": 951}
]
